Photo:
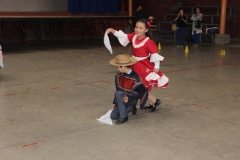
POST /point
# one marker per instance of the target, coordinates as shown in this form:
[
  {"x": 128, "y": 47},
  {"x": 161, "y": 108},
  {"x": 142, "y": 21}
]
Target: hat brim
[{"x": 132, "y": 61}]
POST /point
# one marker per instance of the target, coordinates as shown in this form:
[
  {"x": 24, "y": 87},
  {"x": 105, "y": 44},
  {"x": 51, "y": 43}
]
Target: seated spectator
[
  {"x": 153, "y": 25},
  {"x": 176, "y": 7}
]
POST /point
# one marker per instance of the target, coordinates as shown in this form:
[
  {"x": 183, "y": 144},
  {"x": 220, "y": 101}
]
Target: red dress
[{"x": 146, "y": 52}]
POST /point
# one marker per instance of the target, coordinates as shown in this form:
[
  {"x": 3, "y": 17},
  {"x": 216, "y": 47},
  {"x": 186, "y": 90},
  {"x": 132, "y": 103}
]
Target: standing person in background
[
  {"x": 141, "y": 13},
  {"x": 181, "y": 20},
  {"x": 1, "y": 58},
  {"x": 196, "y": 26}
]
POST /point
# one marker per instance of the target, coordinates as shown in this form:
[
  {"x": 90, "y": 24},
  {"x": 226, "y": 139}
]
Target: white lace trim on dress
[
  {"x": 140, "y": 44},
  {"x": 161, "y": 81}
]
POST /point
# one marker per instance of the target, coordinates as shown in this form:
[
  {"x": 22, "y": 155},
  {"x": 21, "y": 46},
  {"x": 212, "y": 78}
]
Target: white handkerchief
[
  {"x": 106, "y": 118},
  {"x": 107, "y": 43}
]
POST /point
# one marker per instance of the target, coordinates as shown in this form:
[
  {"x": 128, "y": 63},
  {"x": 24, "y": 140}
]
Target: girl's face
[
  {"x": 181, "y": 12},
  {"x": 140, "y": 30},
  {"x": 197, "y": 10}
]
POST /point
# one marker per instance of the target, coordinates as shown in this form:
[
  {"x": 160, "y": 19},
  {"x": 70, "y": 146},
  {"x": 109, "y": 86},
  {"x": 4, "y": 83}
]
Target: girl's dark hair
[
  {"x": 197, "y": 8},
  {"x": 149, "y": 32},
  {"x": 181, "y": 9}
]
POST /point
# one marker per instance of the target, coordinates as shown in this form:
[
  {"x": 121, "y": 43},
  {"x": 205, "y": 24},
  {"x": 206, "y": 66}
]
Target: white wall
[{"x": 33, "y": 5}]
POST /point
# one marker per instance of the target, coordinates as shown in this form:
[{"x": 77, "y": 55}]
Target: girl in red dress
[{"x": 145, "y": 51}]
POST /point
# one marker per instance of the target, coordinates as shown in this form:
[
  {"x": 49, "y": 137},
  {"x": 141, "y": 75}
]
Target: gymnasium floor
[{"x": 50, "y": 100}]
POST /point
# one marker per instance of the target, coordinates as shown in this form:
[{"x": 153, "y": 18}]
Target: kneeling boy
[{"x": 129, "y": 89}]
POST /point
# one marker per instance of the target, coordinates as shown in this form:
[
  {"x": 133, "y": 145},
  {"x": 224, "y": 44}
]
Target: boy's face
[{"x": 123, "y": 69}]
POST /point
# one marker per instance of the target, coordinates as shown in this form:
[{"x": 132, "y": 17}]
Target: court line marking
[
  {"x": 76, "y": 54},
  {"x": 55, "y": 88},
  {"x": 188, "y": 69}
]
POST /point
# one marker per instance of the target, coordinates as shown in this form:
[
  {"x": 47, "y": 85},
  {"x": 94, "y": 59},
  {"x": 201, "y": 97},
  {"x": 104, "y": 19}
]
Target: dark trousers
[
  {"x": 196, "y": 37},
  {"x": 121, "y": 108},
  {"x": 180, "y": 35}
]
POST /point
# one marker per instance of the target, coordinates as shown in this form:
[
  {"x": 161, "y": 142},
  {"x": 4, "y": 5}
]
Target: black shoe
[
  {"x": 158, "y": 102},
  {"x": 121, "y": 120},
  {"x": 134, "y": 111},
  {"x": 148, "y": 107}
]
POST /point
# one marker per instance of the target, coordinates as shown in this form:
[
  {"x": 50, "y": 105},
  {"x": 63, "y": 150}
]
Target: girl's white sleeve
[
  {"x": 122, "y": 37},
  {"x": 156, "y": 59}
]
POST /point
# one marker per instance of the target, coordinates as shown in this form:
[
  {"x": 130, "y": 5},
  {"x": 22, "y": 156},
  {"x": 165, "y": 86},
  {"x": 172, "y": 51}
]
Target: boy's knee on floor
[
  {"x": 113, "y": 117},
  {"x": 119, "y": 93}
]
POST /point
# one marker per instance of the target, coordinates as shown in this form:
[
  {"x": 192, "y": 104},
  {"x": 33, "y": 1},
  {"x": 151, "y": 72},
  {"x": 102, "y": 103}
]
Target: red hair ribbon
[{"x": 148, "y": 23}]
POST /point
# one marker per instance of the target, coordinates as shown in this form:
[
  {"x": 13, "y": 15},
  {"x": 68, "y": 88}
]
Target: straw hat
[
  {"x": 123, "y": 60},
  {"x": 151, "y": 17}
]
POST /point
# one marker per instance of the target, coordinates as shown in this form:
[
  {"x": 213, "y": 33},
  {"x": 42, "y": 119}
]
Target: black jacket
[
  {"x": 142, "y": 14},
  {"x": 181, "y": 21},
  {"x": 131, "y": 85}
]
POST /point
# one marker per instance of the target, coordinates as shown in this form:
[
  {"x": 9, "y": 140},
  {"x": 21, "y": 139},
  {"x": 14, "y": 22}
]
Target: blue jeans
[
  {"x": 196, "y": 38},
  {"x": 180, "y": 35}
]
